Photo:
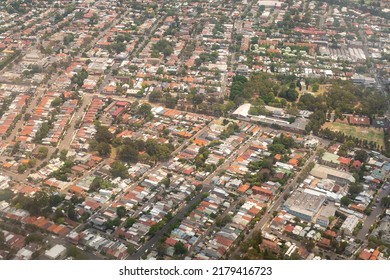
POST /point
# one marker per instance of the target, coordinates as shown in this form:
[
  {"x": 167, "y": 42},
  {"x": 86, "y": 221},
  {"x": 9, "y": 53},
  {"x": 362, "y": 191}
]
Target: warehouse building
[
  {"x": 305, "y": 203},
  {"x": 325, "y": 172},
  {"x": 324, "y": 215}
]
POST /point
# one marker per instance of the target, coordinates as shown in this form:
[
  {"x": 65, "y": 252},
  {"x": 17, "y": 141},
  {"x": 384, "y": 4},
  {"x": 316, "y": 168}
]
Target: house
[
  {"x": 369, "y": 254},
  {"x": 324, "y": 243},
  {"x": 356, "y": 164},
  {"x": 359, "y": 121},
  {"x": 262, "y": 191},
  {"x": 344, "y": 162},
  {"x": 349, "y": 224},
  {"x": 270, "y": 245}
]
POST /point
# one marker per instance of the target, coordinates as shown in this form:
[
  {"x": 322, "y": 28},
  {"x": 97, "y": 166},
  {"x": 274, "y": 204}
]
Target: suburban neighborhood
[{"x": 195, "y": 130}]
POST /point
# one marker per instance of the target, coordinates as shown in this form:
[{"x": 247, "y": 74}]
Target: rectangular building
[
  {"x": 304, "y": 203},
  {"x": 324, "y": 172},
  {"x": 349, "y": 224}
]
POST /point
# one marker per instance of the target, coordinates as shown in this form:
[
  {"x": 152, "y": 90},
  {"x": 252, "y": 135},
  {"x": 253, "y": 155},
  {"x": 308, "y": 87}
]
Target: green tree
[
  {"x": 315, "y": 87},
  {"x": 128, "y": 153},
  {"x": 63, "y": 154},
  {"x": 56, "y": 102},
  {"x": 345, "y": 201},
  {"x": 361, "y": 155},
  {"x": 180, "y": 249},
  {"x": 68, "y": 38},
  {"x": 118, "y": 169},
  {"x": 42, "y": 152},
  {"x": 121, "y": 211},
  {"x": 27, "y": 116},
  {"x": 385, "y": 202},
  {"x": 145, "y": 110},
  {"x": 40, "y": 204},
  {"x": 75, "y": 253},
  {"x": 103, "y": 148},
  {"x": 355, "y": 189},
  {"x": 129, "y": 222},
  {"x": 118, "y": 47},
  {"x": 22, "y": 168},
  {"x": 131, "y": 249},
  {"x": 96, "y": 184},
  {"x": 155, "y": 96},
  {"x": 103, "y": 135}
]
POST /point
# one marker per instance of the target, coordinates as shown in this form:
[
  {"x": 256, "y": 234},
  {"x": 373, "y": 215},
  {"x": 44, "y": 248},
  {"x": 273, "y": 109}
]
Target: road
[
  {"x": 325, "y": 16},
  {"x": 5, "y": 67},
  {"x": 70, "y": 133},
  {"x": 370, "y": 220}
]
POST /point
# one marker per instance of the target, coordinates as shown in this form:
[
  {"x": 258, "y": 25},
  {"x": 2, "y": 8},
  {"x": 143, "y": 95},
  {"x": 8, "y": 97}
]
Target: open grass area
[
  {"x": 364, "y": 133},
  {"x": 321, "y": 90},
  {"x": 114, "y": 153}
]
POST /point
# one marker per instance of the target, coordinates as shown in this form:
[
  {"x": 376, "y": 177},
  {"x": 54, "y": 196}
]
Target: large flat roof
[
  {"x": 242, "y": 110},
  {"x": 305, "y": 201},
  {"x": 321, "y": 171}
]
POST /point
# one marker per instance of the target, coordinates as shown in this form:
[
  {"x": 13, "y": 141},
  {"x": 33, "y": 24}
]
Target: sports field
[{"x": 364, "y": 133}]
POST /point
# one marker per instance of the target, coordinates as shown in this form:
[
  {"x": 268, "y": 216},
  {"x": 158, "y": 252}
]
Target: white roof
[
  {"x": 55, "y": 251},
  {"x": 242, "y": 110}
]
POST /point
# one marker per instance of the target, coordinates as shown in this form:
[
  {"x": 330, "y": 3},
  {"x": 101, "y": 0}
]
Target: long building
[{"x": 325, "y": 172}]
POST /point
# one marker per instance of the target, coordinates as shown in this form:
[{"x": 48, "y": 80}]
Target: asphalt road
[
  {"x": 370, "y": 220},
  {"x": 151, "y": 242},
  {"x": 71, "y": 132},
  {"x": 325, "y": 16}
]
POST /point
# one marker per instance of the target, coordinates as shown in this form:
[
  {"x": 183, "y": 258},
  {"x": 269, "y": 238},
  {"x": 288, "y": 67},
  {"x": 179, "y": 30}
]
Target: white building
[
  {"x": 242, "y": 111},
  {"x": 4, "y": 180},
  {"x": 349, "y": 224},
  {"x": 56, "y": 252}
]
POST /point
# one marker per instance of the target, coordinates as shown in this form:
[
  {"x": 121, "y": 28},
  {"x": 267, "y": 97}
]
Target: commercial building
[
  {"x": 326, "y": 212},
  {"x": 324, "y": 172},
  {"x": 242, "y": 111},
  {"x": 305, "y": 203},
  {"x": 56, "y": 252}
]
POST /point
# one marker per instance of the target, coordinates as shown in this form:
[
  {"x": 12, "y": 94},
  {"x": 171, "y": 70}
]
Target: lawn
[
  {"x": 364, "y": 133},
  {"x": 321, "y": 90}
]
